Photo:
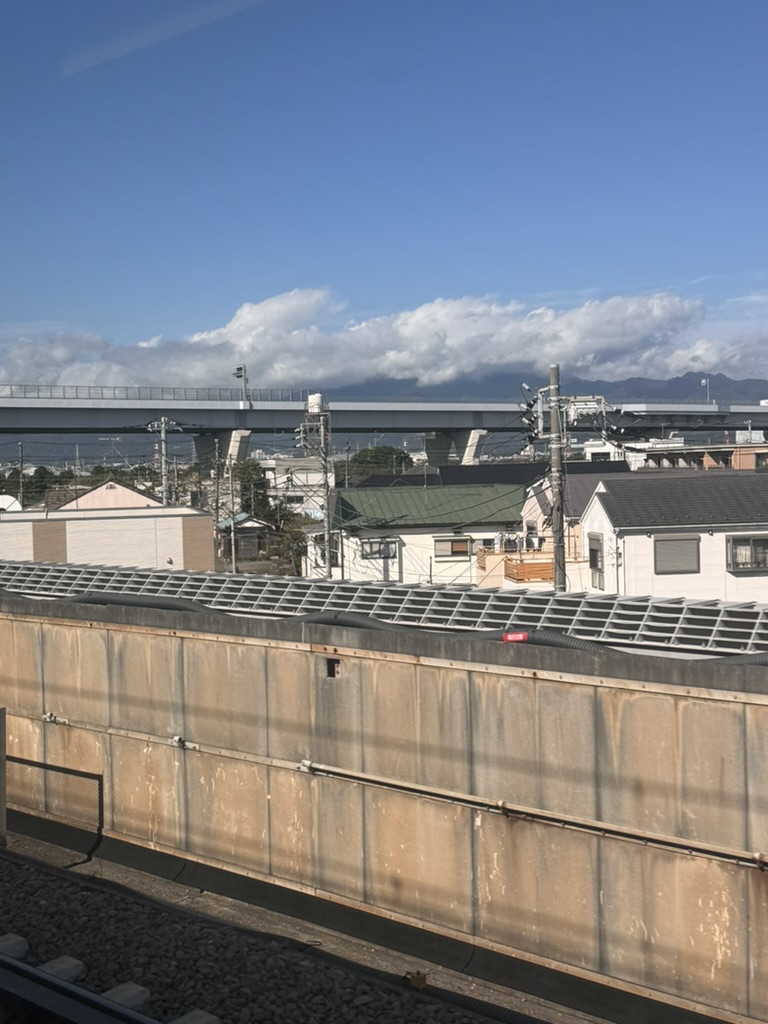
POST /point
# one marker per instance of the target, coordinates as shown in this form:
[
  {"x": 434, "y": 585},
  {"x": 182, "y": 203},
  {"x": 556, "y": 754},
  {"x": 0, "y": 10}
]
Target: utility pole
[
  {"x": 216, "y": 485},
  {"x": 232, "y": 520},
  {"x": 164, "y": 459},
  {"x": 556, "y": 477},
  {"x": 161, "y": 426},
  {"x": 21, "y": 473},
  {"x": 325, "y": 457},
  {"x": 314, "y": 436}
]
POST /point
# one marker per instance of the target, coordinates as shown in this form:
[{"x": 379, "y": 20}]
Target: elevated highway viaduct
[{"x": 221, "y": 413}]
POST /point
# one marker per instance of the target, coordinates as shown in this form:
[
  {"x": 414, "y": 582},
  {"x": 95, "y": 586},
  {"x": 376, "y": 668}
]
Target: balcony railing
[
  {"x": 526, "y": 570},
  {"x": 521, "y": 567}
]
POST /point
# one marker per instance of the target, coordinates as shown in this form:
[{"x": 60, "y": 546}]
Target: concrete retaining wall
[{"x": 201, "y": 727}]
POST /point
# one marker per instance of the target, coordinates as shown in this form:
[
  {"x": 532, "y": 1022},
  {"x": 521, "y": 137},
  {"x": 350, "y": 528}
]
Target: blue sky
[{"x": 335, "y": 189}]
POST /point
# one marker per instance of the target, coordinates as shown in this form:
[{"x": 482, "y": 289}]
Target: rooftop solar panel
[{"x": 676, "y": 625}]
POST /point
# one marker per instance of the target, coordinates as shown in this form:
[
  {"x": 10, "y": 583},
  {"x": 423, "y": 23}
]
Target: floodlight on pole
[{"x": 241, "y": 373}]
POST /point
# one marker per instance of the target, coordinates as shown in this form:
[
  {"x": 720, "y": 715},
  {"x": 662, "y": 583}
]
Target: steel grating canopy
[{"x": 678, "y": 625}]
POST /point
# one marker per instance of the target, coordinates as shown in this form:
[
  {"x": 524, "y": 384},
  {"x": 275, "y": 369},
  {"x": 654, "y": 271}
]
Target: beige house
[
  {"x": 527, "y": 557},
  {"x": 110, "y": 525}
]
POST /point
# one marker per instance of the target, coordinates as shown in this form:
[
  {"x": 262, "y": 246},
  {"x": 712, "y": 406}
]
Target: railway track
[
  {"x": 165, "y": 926},
  {"x": 161, "y": 937}
]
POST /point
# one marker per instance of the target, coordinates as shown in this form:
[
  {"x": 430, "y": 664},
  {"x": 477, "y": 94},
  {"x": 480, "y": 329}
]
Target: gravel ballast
[{"x": 188, "y": 961}]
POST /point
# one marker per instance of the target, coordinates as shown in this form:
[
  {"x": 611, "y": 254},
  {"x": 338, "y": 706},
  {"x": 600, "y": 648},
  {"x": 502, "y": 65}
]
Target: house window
[
  {"x": 383, "y": 548},
  {"x": 596, "y": 561},
  {"x": 675, "y": 555},
  {"x": 747, "y": 554},
  {"x": 453, "y": 547}
]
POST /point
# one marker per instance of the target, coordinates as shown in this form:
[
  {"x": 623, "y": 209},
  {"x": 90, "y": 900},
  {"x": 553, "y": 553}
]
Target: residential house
[
  {"x": 526, "y": 556},
  {"x": 251, "y": 537},
  {"x": 413, "y": 534},
  {"x": 697, "y": 535},
  {"x": 107, "y": 495},
  {"x": 110, "y": 525},
  {"x": 579, "y": 482}
]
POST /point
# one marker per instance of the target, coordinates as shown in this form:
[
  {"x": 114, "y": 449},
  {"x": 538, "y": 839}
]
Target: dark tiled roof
[
  {"x": 454, "y": 475},
  {"x": 713, "y": 498},
  {"x": 579, "y": 482},
  {"x": 577, "y": 492},
  {"x": 489, "y": 473}
]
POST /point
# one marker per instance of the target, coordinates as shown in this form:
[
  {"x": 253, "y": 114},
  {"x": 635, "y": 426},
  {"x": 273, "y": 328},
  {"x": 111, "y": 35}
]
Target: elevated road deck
[{"x": 28, "y": 408}]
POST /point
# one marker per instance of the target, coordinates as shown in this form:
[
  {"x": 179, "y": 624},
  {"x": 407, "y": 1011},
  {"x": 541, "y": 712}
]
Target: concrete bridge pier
[
  {"x": 467, "y": 443},
  {"x": 224, "y": 445}
]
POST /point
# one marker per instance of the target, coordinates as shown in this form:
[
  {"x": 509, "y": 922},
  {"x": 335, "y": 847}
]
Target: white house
[
  {"x": 697, "y": 535},
  {"x": 579, "y": 482},
  {"x": 412, "y": 534}
]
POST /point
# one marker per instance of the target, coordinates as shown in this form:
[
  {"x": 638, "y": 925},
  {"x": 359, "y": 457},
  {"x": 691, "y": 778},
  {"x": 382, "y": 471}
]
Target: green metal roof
[{"x": 460, "y": 505}]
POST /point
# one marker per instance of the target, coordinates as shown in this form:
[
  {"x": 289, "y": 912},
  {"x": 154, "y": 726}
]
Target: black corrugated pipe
[
  {"x": 757, "y": 658},
  {"x": 541, "y": 637},
  {"x": 354, "y": 620},
  {"x": 553, "y": 638},
  {"x": 112, "y": 598}
]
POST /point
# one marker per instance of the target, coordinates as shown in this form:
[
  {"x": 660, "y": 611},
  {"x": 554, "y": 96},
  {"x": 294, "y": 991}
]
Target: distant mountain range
[{"x": 505, "y": 387}]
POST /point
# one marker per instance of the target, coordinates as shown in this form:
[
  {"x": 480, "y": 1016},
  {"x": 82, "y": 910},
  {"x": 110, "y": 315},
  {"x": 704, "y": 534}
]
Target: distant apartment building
[
  {"x": 747, "y": 450},
  {"x": 298, "y": 481}
]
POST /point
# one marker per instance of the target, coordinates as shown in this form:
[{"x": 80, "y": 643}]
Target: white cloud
[{"x": 294, "y": 340}]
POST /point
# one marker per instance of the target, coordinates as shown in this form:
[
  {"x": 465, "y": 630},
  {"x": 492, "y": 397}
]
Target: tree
[
  {"x": 254, "y": 500},
  {"x": 36, "y": 486},
  {"x": 12, "y": 482},
  {"x": 386, "y": 459}
]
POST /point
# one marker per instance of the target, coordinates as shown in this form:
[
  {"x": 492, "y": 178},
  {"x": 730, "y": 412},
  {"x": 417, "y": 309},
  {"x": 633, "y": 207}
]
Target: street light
[
  {"x": 241, "y": 373},
  {"x": 705, "y": 384}
]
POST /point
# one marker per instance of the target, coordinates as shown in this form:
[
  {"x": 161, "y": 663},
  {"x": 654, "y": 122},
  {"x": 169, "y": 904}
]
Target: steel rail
[{"x": 60, "y": 1001}]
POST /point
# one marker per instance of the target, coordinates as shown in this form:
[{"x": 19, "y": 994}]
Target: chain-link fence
[{"x": 64, "y": 794}]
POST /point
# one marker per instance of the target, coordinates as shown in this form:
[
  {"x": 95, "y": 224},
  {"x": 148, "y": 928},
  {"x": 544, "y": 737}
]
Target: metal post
[
  {"x": 232, "y": 520},
  {"x": 216, "y": 482},
  {"x": 556, "y": 477},
  {"x": 21, "y": 473},
  {"x": 324, "y": 456},
  {"x": 164, "y": 459}
]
